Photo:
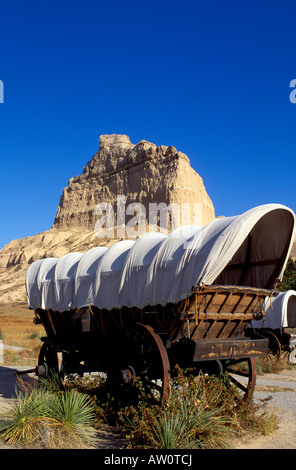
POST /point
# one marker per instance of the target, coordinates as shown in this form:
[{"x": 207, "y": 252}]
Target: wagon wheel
[
  {"x": 155, "y": 365},
  {"x": 50, "y": 360},
  {"x": 242, "y": 374},
  {"x": 149, "y": 362},
  {"x": 274, "y": 345}
]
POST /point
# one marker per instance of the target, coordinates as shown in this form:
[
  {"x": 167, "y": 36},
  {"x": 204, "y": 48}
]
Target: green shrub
[
  {"x": 289, "y": 278},
  {"x": 24, "y": 422},
  {"x": 187, "y": 421},
  {"x": 73, "y": 411},
  {"x": 54, "y": 420},
  {"x": 202, "y": 412}
]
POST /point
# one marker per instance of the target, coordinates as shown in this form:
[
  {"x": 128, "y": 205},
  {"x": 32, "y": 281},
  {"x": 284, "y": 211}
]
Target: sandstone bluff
[{"x": 143, "y": 173}]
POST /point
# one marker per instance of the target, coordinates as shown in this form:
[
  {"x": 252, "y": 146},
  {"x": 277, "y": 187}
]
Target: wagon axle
[
  {"x": 128, "y": 375},
  {"x": 40, "y": 370}
]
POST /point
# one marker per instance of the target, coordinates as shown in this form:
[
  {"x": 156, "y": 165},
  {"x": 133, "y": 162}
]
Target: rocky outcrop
[{"x": 141, "y": 173}]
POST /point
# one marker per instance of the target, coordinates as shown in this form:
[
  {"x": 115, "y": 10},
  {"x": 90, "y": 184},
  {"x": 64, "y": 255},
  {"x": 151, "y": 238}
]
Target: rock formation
[{"x": 142, "y": 173}]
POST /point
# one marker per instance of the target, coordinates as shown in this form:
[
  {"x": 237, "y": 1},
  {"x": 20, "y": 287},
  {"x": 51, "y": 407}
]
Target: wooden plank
[
  {"x": 220, "y": 308},
  {"x": 255, "y": 305},
  {"x": 228, "y": 329},
  {"x": 226, "y": 316},
  {"x": 241, "y": 302},
  {"x": 227, "y": 302},
  {"x": 201, "y": 330},
  {"x": 51, "y": 322},
  {"x": 215, "y": 329},
  {"x": 236, "y": 348},
  {"x": 222, "y": 300},
  {"x": 239, "y": 329},
  {"x": 216, "y": 299},
  {"x": 228, "y": 288}
]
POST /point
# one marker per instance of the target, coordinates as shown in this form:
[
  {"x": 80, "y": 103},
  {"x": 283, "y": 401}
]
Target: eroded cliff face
[{"x": 142, "y": 173}]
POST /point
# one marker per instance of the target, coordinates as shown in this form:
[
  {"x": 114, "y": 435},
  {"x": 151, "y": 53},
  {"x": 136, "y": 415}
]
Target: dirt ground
[
  {"x": 280, "y": 390},
  {"x": 277, "y": 391}
]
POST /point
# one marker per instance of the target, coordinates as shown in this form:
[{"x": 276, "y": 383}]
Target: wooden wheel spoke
[
  {"x": 247, "y": 386},
  {"x": 238, "y": 384},
  {"x": 241, "y": 373},
  {"x": 153, "y": 385},
  {"x": 148, "y": 366},
  {"x": 144, "y": 357}
]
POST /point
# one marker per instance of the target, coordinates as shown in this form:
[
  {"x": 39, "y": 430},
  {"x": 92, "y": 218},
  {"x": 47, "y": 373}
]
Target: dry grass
[{"x": 17, "y": 329}]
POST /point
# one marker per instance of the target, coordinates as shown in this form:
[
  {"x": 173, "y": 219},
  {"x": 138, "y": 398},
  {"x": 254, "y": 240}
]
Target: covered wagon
[
  {"x": 279, "y": 324},
  {"x": 137, "y": 308}
]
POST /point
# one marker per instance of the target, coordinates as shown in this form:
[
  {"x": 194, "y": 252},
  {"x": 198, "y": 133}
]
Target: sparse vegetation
[
  {"x": 202, "y": 412},
  {"x": 17, "y": 329},
  {"x": 49, "y": 419},
  {"x": 271, "y": 364},
  {"x": 289, "y": 278}
]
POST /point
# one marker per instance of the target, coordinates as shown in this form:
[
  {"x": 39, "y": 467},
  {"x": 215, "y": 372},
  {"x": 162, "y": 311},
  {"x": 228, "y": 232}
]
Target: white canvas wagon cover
[
  {"x": 251, "y": 249},
  {"x": 279, "y": 312}
]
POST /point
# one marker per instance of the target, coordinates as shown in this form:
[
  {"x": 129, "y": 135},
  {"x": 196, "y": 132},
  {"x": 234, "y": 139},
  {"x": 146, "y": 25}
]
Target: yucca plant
[
  {"x": 171, "y": 431},
  {"x": 189, "y": 425},
  {"x": 24, "y": 421},
  {"x": 186, "y": 422},
  {"x": 57, "y": 420},
  {"x": 74, "y": 412}
]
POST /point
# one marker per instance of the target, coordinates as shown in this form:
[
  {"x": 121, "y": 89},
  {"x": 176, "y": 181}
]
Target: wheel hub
[{"x": 128, "y": 375}]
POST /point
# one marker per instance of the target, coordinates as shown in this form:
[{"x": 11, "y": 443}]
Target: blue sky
[{"x": 208, "y": 77}]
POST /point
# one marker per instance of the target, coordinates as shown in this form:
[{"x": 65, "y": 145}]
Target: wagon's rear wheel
[
  {"x": 242, "y": 374},
  {"x": 146, "y": 363},
  {"x": 50, "y": 361},
  {"x": 154, "y": 366}
]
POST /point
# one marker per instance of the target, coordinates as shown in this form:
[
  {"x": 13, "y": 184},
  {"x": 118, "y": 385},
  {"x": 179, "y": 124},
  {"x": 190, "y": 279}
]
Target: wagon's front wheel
[
  {"x": 50, "y": 361},
  {"x": 242, "y": 374}
]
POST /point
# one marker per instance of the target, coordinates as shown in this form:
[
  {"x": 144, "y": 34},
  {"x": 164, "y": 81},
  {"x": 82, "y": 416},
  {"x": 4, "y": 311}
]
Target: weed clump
[
  {"x": 49, "y": 419},
  {"x": 202, "y": 412}
]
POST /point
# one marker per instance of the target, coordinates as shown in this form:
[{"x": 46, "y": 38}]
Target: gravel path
[{"x": 279, "y": 389}]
